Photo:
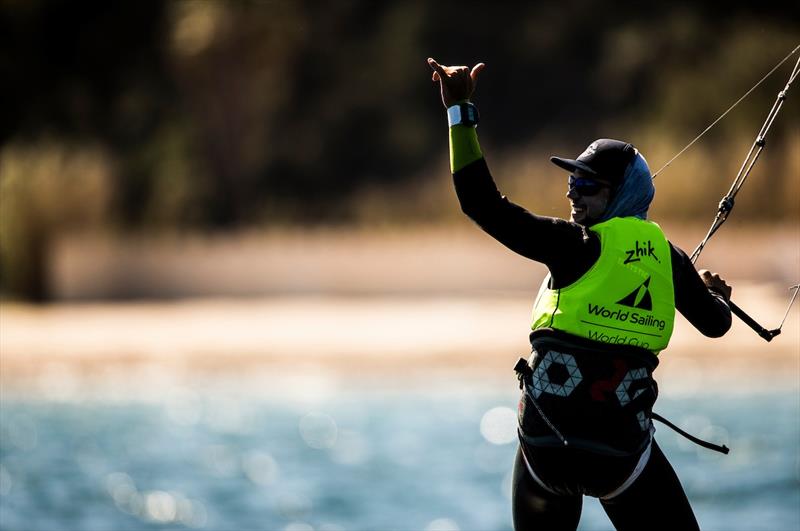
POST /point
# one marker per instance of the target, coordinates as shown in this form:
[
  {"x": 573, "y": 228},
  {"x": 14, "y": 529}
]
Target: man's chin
[
  {"x": 578, "y": 217},
  {"x": 582, "y": 219}
]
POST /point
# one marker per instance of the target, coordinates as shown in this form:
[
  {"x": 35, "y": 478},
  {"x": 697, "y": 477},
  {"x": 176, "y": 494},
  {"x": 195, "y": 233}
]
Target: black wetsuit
[{"x": 655, "y": 500}]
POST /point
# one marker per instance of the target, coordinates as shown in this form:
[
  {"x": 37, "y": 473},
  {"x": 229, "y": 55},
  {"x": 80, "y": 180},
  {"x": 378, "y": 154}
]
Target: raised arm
[{"x": 564, "y": 247}]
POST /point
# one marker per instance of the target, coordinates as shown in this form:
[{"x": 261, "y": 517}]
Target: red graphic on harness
[{"x": 600, "y": 387}]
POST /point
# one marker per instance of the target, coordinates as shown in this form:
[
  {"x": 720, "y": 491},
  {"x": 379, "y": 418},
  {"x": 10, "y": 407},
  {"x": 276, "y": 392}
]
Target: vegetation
[{"x": 152, "y": 116}]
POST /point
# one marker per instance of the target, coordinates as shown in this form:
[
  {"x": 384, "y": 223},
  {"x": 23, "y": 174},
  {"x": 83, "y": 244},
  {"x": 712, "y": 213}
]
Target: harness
[{"x": 588, "y": 395}]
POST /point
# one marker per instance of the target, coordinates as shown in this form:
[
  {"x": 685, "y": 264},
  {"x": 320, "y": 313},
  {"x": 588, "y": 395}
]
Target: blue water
[{"x": 360, "y": 461}]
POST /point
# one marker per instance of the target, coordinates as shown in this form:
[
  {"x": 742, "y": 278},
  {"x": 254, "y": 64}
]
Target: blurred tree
[
  {"x": 216, "y": 115},
  {"x": 46, "y": 189}
]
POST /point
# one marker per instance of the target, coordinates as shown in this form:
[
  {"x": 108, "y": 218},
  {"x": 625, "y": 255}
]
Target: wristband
[{"x": 462, "y": 114}]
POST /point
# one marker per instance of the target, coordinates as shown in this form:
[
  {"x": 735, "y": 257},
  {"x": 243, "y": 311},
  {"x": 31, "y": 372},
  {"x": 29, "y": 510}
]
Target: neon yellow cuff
[{"x": 464, "y": 147}]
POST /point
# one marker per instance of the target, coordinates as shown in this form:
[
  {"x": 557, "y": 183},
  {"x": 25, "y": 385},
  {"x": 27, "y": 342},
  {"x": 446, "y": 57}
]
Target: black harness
[{"x": 589, "y": 395}]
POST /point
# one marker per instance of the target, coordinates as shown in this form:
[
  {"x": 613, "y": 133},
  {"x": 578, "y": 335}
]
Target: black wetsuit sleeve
[
  {"x": 564, "y": 247},
  {"x": 568, "y": 250},
  {"x": 705, "y": 309}
]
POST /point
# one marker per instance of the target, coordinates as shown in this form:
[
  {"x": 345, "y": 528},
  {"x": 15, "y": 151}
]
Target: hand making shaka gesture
[{"x": 457, "y": 83}]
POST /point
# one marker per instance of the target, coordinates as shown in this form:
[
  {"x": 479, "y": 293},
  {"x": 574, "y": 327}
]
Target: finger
[
  {"x": 435, "y": 76},
  {"x": 436, "y": 66},
  {"x": 477, "y": 69}
]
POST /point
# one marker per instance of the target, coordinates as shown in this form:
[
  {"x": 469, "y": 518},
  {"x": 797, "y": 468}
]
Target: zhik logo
[
  {"x": 635, "y": 254},
  {"x": 639, "y": 298}
]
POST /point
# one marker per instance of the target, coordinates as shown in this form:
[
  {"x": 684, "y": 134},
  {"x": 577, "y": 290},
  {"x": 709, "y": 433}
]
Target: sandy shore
[
  {"x": 382, "y": 307},
  {"x": 345, "y": 339}
]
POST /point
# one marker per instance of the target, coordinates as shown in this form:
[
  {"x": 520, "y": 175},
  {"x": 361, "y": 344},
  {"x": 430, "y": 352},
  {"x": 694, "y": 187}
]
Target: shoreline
[{"x": 386, "y": 342}]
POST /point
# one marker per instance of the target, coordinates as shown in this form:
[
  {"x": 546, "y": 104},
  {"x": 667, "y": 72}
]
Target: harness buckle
[{"x": 523, "y": 371}]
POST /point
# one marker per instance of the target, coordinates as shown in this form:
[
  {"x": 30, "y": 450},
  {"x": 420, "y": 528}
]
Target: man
[{"x": 602, "y": 316}]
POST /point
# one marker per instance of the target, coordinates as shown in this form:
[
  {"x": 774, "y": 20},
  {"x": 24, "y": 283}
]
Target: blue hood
[{"x": 635, "y": 194}]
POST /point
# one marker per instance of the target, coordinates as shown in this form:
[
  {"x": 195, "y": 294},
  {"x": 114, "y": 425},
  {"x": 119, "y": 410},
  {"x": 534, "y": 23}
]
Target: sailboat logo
[{"x": 639, "y": 298}]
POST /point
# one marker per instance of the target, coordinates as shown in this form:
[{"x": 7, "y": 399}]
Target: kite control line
[{"x": 727, "y": 202}]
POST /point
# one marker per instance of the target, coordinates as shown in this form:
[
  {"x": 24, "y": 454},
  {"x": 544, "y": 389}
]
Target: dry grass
[{"x": 418, "y": 261}]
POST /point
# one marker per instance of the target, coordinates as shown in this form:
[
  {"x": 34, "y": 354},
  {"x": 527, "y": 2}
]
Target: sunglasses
[{"x": 585, "y": 187}]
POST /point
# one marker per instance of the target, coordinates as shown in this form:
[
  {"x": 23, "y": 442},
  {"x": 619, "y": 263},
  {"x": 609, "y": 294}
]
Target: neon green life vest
[{"x": 626, "y": 297}]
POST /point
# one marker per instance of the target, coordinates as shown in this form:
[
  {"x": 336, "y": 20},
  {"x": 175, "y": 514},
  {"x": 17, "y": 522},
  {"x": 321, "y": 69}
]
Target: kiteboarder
[{"x": 602, "y": 315}]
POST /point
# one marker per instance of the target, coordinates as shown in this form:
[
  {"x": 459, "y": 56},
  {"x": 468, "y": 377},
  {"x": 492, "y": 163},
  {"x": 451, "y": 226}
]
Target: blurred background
[{"x": 237, "y": 290}]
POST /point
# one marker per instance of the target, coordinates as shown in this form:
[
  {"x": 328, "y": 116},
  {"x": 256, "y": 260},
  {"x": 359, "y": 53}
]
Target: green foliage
[
  {"x": 45, "y": 189},
  {"x": 227, "y": 114}
]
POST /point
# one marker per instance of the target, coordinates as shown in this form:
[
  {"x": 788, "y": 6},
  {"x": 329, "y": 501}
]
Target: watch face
[{"x": 462, "y": 114}]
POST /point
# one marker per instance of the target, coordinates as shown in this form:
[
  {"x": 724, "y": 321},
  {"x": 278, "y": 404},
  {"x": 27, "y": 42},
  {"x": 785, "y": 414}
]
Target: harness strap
[
  {"x": 524, "y": 371},
  {"x": 637, "y": 471},
  {"x": 711, "y": 446},
  {"x": 528, "y": 465}
]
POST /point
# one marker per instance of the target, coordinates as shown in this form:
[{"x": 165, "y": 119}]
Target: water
[{"x": 360, "y": 460}]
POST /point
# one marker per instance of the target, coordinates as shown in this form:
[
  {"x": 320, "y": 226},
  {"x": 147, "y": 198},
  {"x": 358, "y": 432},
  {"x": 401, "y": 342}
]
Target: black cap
[{"x": 606, "y": 158}]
